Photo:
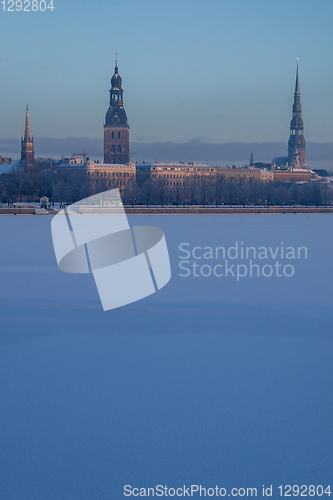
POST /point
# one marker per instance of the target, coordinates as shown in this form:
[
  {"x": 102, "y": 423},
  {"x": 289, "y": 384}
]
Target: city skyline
[
  {"x": 195, "y": 147},
  {"x": 185, "y": 83}
]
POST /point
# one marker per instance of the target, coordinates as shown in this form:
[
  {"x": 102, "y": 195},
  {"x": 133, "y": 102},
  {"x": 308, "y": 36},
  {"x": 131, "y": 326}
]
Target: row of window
[
  {"x": 112, "y": 149},
  {"x": 238, "y": 175},
  {"x": 170, "y": 183},
  {"x": 167, "y": 176},
  {"x": 108, "y": 174},
  {"x": 177, "y": 168},
  {"x": 113, "y": 135},
  {"x": 111, "y": 183}
]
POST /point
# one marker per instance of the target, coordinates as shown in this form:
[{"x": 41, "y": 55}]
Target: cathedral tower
[
  {"x": 296, "y": 143},
  {"x": 27, "y": 145},
  {"x": 116, "y": 128}
]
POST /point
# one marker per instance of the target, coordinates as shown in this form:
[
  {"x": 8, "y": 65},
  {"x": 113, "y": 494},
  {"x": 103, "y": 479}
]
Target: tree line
[{"x": 71, "y": 185}]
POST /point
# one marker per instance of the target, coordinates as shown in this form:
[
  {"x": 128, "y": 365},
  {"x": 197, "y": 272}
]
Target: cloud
[
  {"x": 199, "y": 150},
  {"x": 49, "y": 147},
  {"x": 237, "y": 152},
  {"x": 196, "y": 149}
]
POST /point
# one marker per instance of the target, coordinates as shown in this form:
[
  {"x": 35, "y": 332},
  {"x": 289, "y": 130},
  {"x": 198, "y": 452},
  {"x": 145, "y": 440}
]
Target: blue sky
[{"x": 215, "y": 69}]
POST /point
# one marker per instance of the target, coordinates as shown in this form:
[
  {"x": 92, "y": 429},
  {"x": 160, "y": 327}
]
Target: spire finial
[{"x": 116, "y": 58}]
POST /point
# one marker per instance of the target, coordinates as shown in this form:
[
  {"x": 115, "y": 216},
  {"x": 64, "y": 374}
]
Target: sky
[{"x": 214, "y": 71}]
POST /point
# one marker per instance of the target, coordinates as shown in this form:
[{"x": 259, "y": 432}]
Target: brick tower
[
  {"x": 116, "y": 128},
  {"x": 296, "y": 143},
  {"x": 27, "y": 146}
]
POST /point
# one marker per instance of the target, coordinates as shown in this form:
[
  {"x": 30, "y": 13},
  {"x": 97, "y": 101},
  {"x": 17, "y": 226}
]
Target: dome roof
[
  {"x": 116, "y": 116},
  {"x": 116, "y": 79}
]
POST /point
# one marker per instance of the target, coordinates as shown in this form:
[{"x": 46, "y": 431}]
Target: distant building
[
  {"x": 102, "y": 176},
  {"x": 116, "y": 128},
  {"x": 296, "y": 143},
  {"x": 259, "y": 164},
  {"x": 27, "y": 146},
  {"x": 172, "y": 175},
  {"x": 280, "y": 162},
  {"x": 295, "y": 175},
  {"x": 175, "y": 180},
  {"x": 244, "y": 174},
  {"x": 266, "y": 176},
  {"x": 263, "y": 165},
  {"x": 320, "y": 172},
  {"x": 71, "y": 160}
]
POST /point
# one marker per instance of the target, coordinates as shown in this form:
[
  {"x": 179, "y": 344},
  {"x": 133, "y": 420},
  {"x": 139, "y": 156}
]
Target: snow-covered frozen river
[{"x": 223, "y": 377}]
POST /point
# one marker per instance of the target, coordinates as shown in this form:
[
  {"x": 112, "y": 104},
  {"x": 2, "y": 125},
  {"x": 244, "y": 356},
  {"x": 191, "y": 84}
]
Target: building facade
[
  {"x": 27, "y": 146},
  {"x": 294, "y": 175},
  {"x": 116, "y": 128},
  {"x": 102, "y": 176},
  {"x": 240, "y": 174},
  {"x": 175, "y": 181}
]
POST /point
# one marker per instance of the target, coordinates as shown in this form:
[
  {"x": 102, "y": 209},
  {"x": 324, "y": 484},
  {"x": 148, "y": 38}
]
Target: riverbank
[
  {"x": 174, "y": 210},
  {"x": 228, "y": 210}
]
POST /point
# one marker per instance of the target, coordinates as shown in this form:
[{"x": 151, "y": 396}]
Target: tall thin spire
[
  {"x": 297, "y": 92},
  {"x": 27, "y": 125},
  {"x": 296, "y": 143},
  {"x": 27, "y": 145}
]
